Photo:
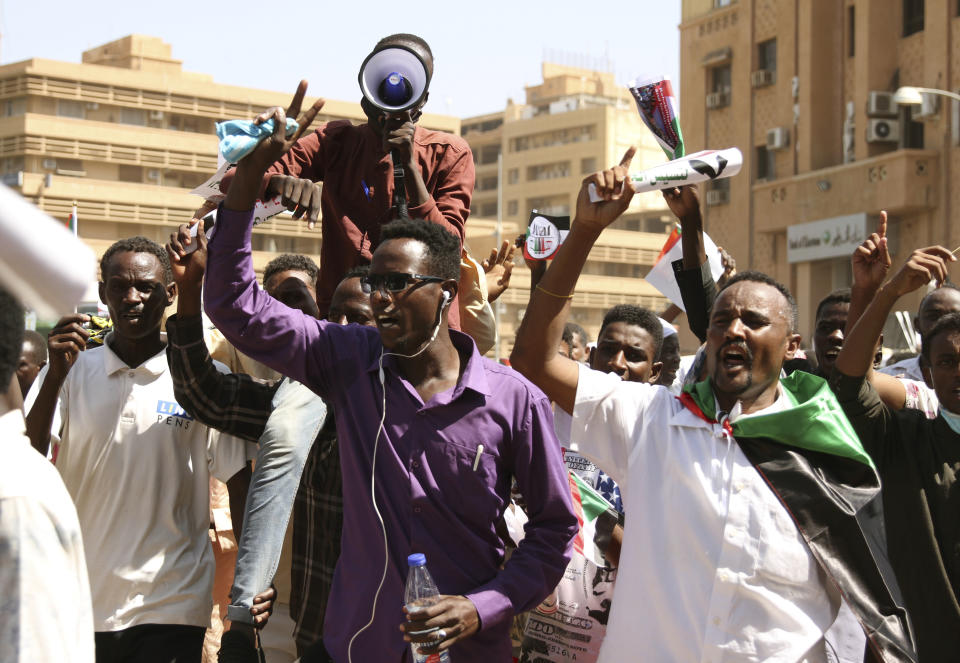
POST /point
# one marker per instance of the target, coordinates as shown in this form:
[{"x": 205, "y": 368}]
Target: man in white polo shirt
[
  {"x": 750, "y": 501},
  {"x": 136, "y": 465}
]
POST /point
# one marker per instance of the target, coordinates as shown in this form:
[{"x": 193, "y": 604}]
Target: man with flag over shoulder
[{"x": 751, "y": 499}]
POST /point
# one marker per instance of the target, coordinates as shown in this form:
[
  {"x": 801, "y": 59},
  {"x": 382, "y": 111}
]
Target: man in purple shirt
[{"x": 435, "y": 431}]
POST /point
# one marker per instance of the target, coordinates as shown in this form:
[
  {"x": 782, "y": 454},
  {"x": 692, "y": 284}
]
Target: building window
[
  {"x": 133, "y": 116},
  {"x": 11, "y": 165},
  {"x": 588, "y": 165},
  {"x": 488, "y": 209},
  {"x": 767, "y": 55},
  {"x": 487, "y": 184},
  {"x": 513, "y": 208},
  {"x": 130, "y": 173},
  {"x": 513, "y": 176},
  {"x": 765, "y": 161},
  {"x": 550, "y": 138},
  {"x": 487, "y": 154},
  {"x": 548, "y": 171},
  {"x": 66, "y": 108},
  {"x": 13, "y": 107},
  {"x": 912, "y": 17},
  {"x": 851, "y": 31},
  {"x": 553, "y": 205},
  {"x": 720, "y": 79}
]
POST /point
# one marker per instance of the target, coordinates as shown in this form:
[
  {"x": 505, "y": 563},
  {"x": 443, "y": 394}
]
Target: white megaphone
[{"x": 394, "y": 79}]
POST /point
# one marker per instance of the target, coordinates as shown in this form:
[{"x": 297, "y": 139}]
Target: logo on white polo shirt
[{"x": 171, "y": 414}]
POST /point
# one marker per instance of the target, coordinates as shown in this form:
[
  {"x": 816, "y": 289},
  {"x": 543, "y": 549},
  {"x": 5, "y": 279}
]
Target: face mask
[{"x": 953, "y": 420}]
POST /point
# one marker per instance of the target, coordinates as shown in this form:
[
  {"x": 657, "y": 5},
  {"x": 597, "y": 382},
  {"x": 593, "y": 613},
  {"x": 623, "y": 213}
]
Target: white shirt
[
  {"x": 713, "y": 568},
  {"x": 906, "y": 368},
  {"x": 137, "y": 467},
  {"x": 45, "y": 612}
]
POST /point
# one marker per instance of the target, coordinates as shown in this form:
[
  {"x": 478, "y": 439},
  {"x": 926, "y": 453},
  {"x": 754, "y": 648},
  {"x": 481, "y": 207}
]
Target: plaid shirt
[{"x": 240, "y": 405}]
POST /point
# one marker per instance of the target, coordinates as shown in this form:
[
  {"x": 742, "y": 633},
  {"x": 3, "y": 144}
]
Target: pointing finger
[{"x": 628, "y": 156}]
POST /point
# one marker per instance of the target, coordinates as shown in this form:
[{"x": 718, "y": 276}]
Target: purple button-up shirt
[{"x": 439, "y": 493}]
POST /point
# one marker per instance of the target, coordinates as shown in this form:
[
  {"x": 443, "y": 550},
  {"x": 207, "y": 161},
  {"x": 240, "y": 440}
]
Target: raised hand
[
  {"x": 729, "y": 267},
  {"x": 498, "y": 268},
  {"x": 684, "y": 202},
  {"x": 615, "y": 189},
  {"x": 65, "y": 342},
  {"x": 871, "y": 260},
  {"x": 188, "y": 255},
  {"x": 300, "y": 196},
  {"x": 250, "y": 170},
  {"x": 278, "y": 143},
  {"x": 924, "y": 266}
]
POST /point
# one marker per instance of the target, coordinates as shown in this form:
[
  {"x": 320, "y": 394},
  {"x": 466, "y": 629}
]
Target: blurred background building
[
  {"x": 127, "y": 133},
  {"x": 533, "y": 156},
  {"x": 805, "y": 88}
]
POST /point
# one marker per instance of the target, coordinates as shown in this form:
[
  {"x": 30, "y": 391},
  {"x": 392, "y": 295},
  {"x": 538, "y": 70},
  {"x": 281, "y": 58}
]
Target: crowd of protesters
[{"x": 755, "y": 503}]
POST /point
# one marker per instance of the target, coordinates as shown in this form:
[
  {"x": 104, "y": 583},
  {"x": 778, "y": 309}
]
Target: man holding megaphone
[{"x": 373, "y": 173}]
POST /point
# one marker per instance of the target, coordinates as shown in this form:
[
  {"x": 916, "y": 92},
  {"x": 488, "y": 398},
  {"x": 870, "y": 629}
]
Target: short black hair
[
  {"x": 839, "y": 296},
  {"x": 443, "y": 247},
  {"x": 11, "y": 337},
  {"x": 291, "y": 262},
  {"x": 639, "y": 316},
  {"x": 358, "y": 271},
  {"x": 948, "y": 323},
  {"x": 949, "y": 285},
  {"x": 572, "y": 329},
  {"x": 138, "y": 244},
  {"x": 38, "y": 345},
  {"x": 759, "y": 277},
  {"x": 405, "y": 37}
]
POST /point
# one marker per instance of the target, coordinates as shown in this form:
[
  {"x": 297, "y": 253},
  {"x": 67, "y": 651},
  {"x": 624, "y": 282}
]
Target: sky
[{"x": 485, "y": 52}]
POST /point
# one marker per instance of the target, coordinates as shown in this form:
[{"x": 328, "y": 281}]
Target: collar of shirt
[
  {"x": 155, "y": 365},
  {"x": 473, "y": 378}
]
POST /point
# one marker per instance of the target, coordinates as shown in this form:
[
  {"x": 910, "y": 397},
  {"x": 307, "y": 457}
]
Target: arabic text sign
[{"x": 828, "y": 238}]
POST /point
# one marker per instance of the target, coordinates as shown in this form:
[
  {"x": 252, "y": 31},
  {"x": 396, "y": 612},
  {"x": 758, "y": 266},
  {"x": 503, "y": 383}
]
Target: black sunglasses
[{"x": 393, "y": 281}]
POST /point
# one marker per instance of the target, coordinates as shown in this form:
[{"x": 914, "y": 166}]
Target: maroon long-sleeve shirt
[{"x": 357, "y": 195}]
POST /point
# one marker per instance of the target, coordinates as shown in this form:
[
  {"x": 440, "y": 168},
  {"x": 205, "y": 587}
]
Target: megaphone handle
[{"x": 399, "y": 188}]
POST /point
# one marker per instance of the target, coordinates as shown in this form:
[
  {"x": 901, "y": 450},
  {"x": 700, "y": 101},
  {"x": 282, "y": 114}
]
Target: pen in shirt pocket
[{"x": 476, "y": 459}]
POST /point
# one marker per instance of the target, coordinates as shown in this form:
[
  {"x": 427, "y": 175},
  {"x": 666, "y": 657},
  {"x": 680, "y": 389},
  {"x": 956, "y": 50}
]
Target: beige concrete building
[
  {"x": 127, "y": 133},
  {"x": 804, "y": 89},
  {"x": 533, "y": 156}
]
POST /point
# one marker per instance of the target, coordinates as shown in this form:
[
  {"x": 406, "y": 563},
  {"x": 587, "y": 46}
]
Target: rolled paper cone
[
  {"x": 42, "y": 263},
  {"x": 691, "y": 169}
]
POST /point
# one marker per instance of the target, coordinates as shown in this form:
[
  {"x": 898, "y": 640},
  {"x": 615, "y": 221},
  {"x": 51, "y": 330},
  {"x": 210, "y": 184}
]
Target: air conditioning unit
[
  {"x": 881, "y": 104},
  {"x": 156, "y": 115},
  {"x": 762, "y": 78},
  {"x": 49, "y": 164},
  {"x": 778, "y": 138},
  {"x": 93, "y": 105},
  {"x": 883, "y": 131},
  {"x": 153, "y": 174},
  {"x": 718, "y": 197},
  {"x": 928, "y": 108},
  {"x": 718, "y": 100}
]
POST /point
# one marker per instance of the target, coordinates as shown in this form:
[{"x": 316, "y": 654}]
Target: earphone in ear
[{"x": 446, "y": 298}]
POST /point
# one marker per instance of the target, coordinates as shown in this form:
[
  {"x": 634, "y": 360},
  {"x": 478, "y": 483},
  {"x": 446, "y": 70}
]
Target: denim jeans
[{"x": 297, "y": 417}]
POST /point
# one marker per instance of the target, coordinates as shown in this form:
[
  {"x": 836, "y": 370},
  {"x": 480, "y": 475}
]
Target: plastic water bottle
[{"x": 421, "y": 592}]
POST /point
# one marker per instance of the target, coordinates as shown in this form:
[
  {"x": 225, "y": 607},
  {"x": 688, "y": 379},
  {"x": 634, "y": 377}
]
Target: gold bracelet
[{"x": 553, "y": 294}]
